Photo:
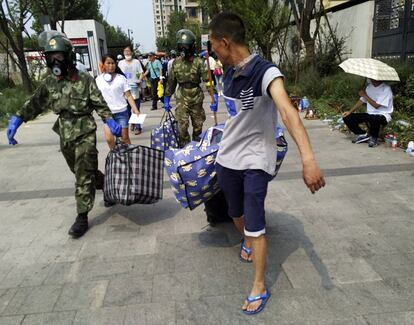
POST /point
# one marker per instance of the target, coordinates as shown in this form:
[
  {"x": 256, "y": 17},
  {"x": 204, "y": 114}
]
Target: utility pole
[
  {"x": 130, "y": 32},
  {"x": 162, "y": 18}
]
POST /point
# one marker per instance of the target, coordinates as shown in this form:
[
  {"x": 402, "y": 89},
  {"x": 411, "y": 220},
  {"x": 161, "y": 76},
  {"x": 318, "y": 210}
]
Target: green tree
[
  {"x": 303, "y": 11},
  {"x": 195, "y": 27},
  {"x": 264, "y": 16},
  {"x": 213, "y": 7},
  {"x": 116, "y": 38},
  {"x": 14, "y": 14},
  {"x": 163, "y": 44},
  {"x": 178, "y": 20},
  {"x": 265, "y": 20},
  {"x": 61, "y": 10}
]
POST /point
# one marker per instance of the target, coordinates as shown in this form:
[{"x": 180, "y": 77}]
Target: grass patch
[{"x": 11, "y": 100}]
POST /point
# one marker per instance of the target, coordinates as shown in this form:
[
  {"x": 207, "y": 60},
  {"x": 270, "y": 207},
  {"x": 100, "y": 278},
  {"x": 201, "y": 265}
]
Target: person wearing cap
[
  {"x": 154, "y": 69},
  {"x": 187, "y": 72},
  {"x": 73, "y": 96}
]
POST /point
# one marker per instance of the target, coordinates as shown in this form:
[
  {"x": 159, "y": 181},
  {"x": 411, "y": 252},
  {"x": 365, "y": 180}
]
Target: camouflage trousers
[
  {"x": 183, "y": 114},
  {"x": 82, "y": 158}
]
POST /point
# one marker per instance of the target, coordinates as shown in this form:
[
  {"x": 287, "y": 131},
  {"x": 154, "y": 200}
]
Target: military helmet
[
  {"x": 53, "y": 42},
  {"x": 58, "y": 44},
  {"x": 185, "y": 37}
]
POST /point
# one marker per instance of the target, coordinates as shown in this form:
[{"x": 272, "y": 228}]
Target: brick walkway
[{"x": 344, "y": 256}]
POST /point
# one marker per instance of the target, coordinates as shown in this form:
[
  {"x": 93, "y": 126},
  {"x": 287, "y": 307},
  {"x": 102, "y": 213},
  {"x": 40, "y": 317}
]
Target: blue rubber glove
[
  {"x": 214, "y": 106},
  {"x": 14, "y": 124},
  {"x": 115, "y": 128},
  {"x": 167, "y": 105}
]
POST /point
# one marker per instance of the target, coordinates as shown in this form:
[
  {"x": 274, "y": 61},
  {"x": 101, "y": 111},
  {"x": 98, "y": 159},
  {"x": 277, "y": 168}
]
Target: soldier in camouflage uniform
[
  {"x": 187, "y": 71},
  {"x": 73, "y": 96}
]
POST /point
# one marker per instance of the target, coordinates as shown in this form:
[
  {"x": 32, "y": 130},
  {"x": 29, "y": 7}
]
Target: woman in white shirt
[
  {"x": 218, "y": 74},
  {"x": 133, "y": 71},
  {"x": 117, "y": 94}
]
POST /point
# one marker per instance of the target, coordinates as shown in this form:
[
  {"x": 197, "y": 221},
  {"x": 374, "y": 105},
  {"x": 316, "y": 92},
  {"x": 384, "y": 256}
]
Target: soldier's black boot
[
  {"x": 99, "y": 180},
  {"x": 80, "y": 227}
]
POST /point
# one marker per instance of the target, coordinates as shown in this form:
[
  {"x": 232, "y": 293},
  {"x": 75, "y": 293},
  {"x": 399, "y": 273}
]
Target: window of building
[
  {"x": 192, "y": 12},
  {"x": 389, "y": 14}
]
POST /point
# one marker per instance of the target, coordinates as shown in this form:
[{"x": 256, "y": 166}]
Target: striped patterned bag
[{"x": 134, "y": 174}]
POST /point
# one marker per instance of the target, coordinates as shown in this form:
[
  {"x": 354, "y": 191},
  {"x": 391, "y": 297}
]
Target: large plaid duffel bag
[
  {"x": 165, "y": 136},
  {"x": 134, "y": 174},
  {"x": 191, "y": 170}
]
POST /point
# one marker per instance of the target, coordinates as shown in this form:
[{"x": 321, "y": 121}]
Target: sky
[{"x": 136, "y": 15}]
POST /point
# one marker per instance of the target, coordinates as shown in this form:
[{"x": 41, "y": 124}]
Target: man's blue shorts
[
  {"x": 122, "y": 118},
  {"x": 245, "y": 192}
]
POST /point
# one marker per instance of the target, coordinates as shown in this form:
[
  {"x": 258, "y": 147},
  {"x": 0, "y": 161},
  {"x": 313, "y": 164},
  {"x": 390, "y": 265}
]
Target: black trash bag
[{"x": 217, "y": 209}]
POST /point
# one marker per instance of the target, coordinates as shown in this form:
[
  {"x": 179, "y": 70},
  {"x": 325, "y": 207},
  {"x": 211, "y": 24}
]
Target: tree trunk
[
  {"x": 309, "y": 47},
  {"x": 266, "y": 50},
  {"x": 306, "y": 34},
  {"x": 53, "y": 24},
  {"x": 24, "y": 72},
  {"x": 18, "y": 49}
]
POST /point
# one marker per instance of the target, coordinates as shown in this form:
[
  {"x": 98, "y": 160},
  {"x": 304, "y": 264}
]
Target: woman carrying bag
[{"x": 117, "y": 94}]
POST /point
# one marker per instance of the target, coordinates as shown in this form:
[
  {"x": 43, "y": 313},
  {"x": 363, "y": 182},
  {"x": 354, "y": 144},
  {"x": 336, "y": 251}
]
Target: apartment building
[{"x": 163, "y": 9}]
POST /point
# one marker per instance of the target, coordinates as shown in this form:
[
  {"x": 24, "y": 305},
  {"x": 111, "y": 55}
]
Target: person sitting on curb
[{"x": 379, "y": 99}]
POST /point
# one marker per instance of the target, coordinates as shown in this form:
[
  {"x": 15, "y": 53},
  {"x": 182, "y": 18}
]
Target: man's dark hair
[{"x": 228, "y": 25}]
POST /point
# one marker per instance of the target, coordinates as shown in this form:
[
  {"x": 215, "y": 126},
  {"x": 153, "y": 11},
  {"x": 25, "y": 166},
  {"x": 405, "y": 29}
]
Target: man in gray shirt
[{"x": 253, "y": 88}]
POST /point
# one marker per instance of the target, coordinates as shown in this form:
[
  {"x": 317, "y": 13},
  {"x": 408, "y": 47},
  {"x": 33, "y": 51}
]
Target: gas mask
[
  {"x": 59, "y": 67},
  {"x": 186, "y": 51}
]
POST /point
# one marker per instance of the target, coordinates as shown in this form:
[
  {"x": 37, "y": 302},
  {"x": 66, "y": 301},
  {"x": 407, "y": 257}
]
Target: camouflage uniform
[
  {"x": 188, "y": 75},
  {"x": 73, "y": 98}
]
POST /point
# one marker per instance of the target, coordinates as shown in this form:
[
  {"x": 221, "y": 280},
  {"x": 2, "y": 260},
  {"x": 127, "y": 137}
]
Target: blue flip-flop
[
  {"x": 248, "y": 251},
  {"x": 263, "y": 297}
]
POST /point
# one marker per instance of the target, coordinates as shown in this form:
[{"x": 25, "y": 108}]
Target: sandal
[
  {"x": 248, "y": 251},
  {"x": 263, "y": 297}
]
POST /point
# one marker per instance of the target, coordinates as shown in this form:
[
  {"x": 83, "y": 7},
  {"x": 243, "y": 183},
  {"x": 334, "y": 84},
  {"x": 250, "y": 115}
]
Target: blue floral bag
[{"x": 191, "y": 169}]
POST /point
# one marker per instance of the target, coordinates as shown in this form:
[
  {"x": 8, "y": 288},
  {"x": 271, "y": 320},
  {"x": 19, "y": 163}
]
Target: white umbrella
[{"x": 370, "y": 68}]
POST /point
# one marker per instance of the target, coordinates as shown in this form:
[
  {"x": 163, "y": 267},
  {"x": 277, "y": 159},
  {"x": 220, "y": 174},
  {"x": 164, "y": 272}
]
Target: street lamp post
[
  {"x": 130, "y": 32},
  {"x": 162, "y": 18}
]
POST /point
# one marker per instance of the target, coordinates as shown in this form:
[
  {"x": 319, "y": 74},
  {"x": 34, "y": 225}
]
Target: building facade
[
  {"x": 375, "y": 28},
  {"x": 163, "y": 8}
]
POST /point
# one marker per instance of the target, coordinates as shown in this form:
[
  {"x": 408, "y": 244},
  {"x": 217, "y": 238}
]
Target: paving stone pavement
[{"x": 344, "y": 256}]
